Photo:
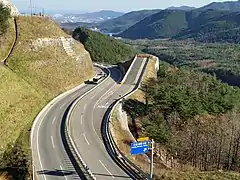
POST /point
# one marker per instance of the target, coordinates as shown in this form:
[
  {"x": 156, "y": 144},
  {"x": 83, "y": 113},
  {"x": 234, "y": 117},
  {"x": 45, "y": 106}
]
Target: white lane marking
[
  {"x": 54, "y": 120},
  {"x": 102, "y": 107},
  {"x": 85, "y": 139},
  {"x": 81, "y": 119},
  {"x": 44, "y": 176},
  {"x": 93, "y": 96},
  {"x": 62, "y": 106},
  {"x": 52, "y": 142},
  {"x": 85, "y": 107},
  {"x": 106, "y": 169},
  {"x": 63, "y": 172},
  {"x": 95, "y": 105}
]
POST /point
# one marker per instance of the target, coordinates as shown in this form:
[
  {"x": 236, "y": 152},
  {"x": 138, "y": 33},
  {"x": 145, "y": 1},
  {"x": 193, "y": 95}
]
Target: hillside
[
  {"x": 183, "y": 8},
  {"x": 203, "y": 26},
  {"x": 38, "y": 69},
  {"x": 163, "y": 24},
  {"x": 125, "y": 21},
  {"x": 184, "y": 112},
  {"x": 105, "y": 14},
  {"x": 228, "y": 6},
  {"x": 103, "y": 48}
]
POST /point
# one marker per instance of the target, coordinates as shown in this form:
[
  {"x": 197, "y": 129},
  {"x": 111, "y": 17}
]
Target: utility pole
[
  {"x": 151, "y": 163},
  {"x": 31, "y": 6}
]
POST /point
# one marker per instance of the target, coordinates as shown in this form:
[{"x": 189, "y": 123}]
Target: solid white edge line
[
  {"x": 39, "y": 156},
  {"x": 85, "y": 138},
  {"x": 106, "y": 169},
  {"x": 52, "y": 142},
  {"x": 63, "y": 172},
  {"x": 39, "y": 119}
]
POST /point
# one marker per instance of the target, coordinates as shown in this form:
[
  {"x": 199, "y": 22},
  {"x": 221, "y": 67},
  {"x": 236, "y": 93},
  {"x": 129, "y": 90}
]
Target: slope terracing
[{"x": 44, "y": 63}]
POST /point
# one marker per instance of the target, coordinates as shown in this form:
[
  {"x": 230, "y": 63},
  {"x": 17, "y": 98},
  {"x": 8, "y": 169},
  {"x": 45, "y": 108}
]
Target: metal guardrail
[
  {"x": 134, "y": 171},
  {"x": 68, "y": 132}
]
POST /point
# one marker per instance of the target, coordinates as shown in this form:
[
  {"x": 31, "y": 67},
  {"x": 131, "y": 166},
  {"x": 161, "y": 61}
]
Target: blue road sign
[{"x": 139, "y": 147}]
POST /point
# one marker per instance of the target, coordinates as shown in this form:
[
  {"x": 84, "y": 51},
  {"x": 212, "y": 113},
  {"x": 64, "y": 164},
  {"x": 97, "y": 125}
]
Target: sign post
[
  {"x": 151, "y": 163},
  {"x": 142, "y": 147}
]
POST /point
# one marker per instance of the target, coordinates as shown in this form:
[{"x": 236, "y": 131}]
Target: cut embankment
[{"x": 44, "y": 63}]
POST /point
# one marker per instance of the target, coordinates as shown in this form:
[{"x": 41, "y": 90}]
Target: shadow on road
[
  {"x": 56, "y": 172},
  {"x": 66, "y": 144}
]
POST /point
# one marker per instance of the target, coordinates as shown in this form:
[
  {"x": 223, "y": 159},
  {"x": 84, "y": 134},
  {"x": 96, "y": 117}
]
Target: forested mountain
[
  {"x": 127, "y": 20},
  {"x": 103, "y": 48},
  {"x": 228, "y": 5},
  {"x": 205, "y": 26}
]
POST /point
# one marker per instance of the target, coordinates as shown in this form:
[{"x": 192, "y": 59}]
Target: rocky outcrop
[{"x": 13, "y": 8}]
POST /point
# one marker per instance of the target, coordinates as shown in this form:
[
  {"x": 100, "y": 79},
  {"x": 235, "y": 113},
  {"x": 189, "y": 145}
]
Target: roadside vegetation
[
  {"x": 194, "y": 118},
  {"x": 103, "y": 48},
  {"x": 4, "y": 17},
  {"x": 6, "y": 31},
  {"x": 217, "y": 59},
  {"x": 35, "y": 73}
]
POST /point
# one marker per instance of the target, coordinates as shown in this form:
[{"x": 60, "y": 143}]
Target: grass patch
[
  {"x": 33, "y": 77},
  {"x": 6, "y": 40}
]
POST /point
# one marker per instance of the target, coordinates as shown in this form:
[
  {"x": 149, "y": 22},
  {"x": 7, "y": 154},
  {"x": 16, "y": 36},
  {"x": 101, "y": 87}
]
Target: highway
[{"x": 52, "y": 156}]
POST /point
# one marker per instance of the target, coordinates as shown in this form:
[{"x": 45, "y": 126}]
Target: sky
[{"x": 96, "y": 5}]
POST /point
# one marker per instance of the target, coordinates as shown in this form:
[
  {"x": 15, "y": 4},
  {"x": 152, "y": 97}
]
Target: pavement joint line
[
  {"x": 52, "y": 142},
  {"x": 63, "y": 172},
  {"x": 54, "y": 120},
  {"x": 85, "y": 138},
  {"x": 106, "y": 169}
]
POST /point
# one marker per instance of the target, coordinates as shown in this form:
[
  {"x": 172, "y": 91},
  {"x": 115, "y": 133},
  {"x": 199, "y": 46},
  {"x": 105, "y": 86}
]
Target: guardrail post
[{"x": 151, "y": 163}]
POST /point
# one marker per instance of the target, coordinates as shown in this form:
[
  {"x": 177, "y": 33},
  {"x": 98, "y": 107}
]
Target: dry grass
[
  {"x": 33, "y": 78},
  {"x": 196, "y": 175},
  {"x": 7, "y": 40},
  {"x": 38, "y": 27},
  {"x": 4, "y": 176}
]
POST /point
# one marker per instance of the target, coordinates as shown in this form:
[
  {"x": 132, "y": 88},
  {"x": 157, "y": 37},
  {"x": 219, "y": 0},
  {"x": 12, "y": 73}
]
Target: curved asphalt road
[
  {"x": 50, "y": 155},
  {"x": 86, "y": 121}
]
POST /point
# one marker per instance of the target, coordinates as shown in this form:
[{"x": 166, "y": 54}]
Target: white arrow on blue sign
[{"x": 139, "y": 147}]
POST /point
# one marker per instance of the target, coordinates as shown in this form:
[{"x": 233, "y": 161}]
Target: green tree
[{"x": 4, "y": 16}]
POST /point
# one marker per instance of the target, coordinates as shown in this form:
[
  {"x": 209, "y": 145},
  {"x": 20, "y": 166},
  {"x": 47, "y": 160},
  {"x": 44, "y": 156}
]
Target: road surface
[
  {"x": 86, "y": 121},
  {"x": 52, "y": 157}
]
